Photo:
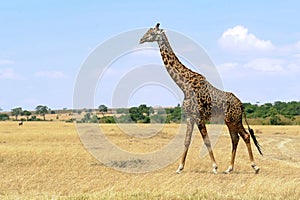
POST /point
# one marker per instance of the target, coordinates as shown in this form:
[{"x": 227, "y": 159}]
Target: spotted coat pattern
[{"x": 202, "y": 101}]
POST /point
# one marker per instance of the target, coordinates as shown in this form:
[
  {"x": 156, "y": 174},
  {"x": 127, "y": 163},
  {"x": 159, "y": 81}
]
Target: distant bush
[
  {"x": 140, "y": 114},
  {"x": 275, "y": 120},
  {"x": 34, "y": 118},
  {"x": 278, "y": 113},
  {"x": 70, "y": 120},
  {"x": 4, "y": 117},
  {"x": 158, "y": 119},
  {"x": 94, "y": 119},
  {"x": 174, "y": 114},
  {"x": 288, "y": 110},
  {"x": 124, "y": 119},
  {"x": 89, "y": 118},
  {"x": 122, "y": 110},
  {"x": 107, "y": 119},
  {"x": 86, "y": 118}
]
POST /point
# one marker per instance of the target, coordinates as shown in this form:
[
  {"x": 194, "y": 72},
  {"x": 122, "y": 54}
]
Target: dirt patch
[
  {"x": 279, "y": 133},
  {"x": 128, "y": 163},
  {"x": 258, "y": 131}
]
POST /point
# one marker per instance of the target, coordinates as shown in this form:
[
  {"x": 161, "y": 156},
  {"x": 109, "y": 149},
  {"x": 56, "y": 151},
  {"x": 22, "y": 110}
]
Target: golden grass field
[{"x": 46, "y": 160}]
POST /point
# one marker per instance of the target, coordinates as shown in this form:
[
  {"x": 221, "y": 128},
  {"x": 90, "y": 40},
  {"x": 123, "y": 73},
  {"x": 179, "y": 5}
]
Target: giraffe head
[{"x": 153, "y": 34}]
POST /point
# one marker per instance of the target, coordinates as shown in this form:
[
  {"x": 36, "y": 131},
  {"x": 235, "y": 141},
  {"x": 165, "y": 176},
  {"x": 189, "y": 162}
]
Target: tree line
[
  {"x": 289, "y": 109},
  {"x": 146, "y": 114},
  {"x": 277, "y": 113},
  {"x": 16, "y": 112}
]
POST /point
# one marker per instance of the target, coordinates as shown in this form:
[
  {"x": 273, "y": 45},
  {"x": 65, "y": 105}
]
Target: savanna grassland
[{"x": 47, "y": 160}]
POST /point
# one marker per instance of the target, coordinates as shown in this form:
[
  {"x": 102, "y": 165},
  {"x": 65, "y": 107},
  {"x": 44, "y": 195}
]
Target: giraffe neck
[{"x": 179, "y": 73}]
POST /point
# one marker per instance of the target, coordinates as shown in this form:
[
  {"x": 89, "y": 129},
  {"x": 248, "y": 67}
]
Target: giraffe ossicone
[{"x": 202, "y": 101}]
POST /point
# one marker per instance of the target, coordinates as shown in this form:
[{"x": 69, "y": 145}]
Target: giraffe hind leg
[{"x": 246, "y": 138}]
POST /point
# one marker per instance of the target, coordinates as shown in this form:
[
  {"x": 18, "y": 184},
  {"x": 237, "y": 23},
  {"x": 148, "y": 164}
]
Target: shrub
[
  {"x": 4, "y": 117},
  {"x": 107, "y": 119},
  {"x": 70, "y": 120},
  {"x": 94, "y": 119},
  {"x": 158, "y": 119},
  {"x": 125, "y": 119},
  {"x": 275, "y": 120}
]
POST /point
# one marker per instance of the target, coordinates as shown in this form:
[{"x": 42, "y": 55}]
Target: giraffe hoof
[
  {"x": 215, "y": 169},
  {"x": 229, "y": 170},
  {"x": 179, "y": 170},
  {"x": 256, "y": 168},
  {"x": 257, "y": 171}
]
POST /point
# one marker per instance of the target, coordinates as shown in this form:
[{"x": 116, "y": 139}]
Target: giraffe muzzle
[{"x": 142, "y": 41}]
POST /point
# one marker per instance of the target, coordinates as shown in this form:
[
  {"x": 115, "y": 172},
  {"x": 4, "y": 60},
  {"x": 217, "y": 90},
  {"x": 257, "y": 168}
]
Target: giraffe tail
[{"x": 253, "y": 136}]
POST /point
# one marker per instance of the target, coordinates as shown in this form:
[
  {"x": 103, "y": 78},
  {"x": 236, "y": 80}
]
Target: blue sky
[{"x": 254, "y": 45}]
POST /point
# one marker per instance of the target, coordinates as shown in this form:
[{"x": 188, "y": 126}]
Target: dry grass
[{"x": 46, "y": 160}]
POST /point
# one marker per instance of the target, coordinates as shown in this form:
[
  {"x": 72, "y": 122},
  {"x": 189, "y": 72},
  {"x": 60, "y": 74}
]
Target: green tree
[
  {"x": 125, "y": 119},
  {"x": 158, "y": 119},
  {"x": 275, "y": 120},
  {"x": 174, "y": 114},
  {"x": 135, "y": 115},
  {"x": 292, "y": 109},
  {"x": 102, "y": 109},
  {"x": 3, "y": 117},
  {"x": 122, "y": 110},
  {"x": 86, "y": 118},
  {"x": 107, "y": 119},
  {"x": 272, "y": 111},
  {"x": 42, "y": 110},
  {"x": 16, "y": 112},
  {"x": 250, "y": 109},
  {"x": 26, "y": 113},
  {"x": 94, "y": 119},
  {"x": 140, "y": 114}
]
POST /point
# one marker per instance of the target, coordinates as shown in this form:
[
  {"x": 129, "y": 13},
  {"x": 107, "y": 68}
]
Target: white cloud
[
  {"x": 6, "y": 62},
  {"x": 239, "y": 39},
  {"x": 260, "y": 55},
  {"x": 266, "y": 65},
  {"x": 50, "y": 74},
  {"x": 289, "y": 49},
  {"x": 297, "y": 56},
  {"x": 227, "y": 66},
  {"x": 9, "y": 74}
]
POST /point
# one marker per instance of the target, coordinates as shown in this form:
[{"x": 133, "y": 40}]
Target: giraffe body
[{"x": 202, "y": 101}]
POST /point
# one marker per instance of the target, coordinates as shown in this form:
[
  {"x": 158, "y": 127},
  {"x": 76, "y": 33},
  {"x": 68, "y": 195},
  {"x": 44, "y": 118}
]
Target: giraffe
[{"x": 202, "y": 101}]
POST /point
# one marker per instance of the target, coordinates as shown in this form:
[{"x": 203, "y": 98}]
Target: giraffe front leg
[
  {"x": 235, "y": 140},
  {"x": 182, "y": 163},
  {"x": 187, "y": 142},
  {"x": 203, "y": 131}
]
